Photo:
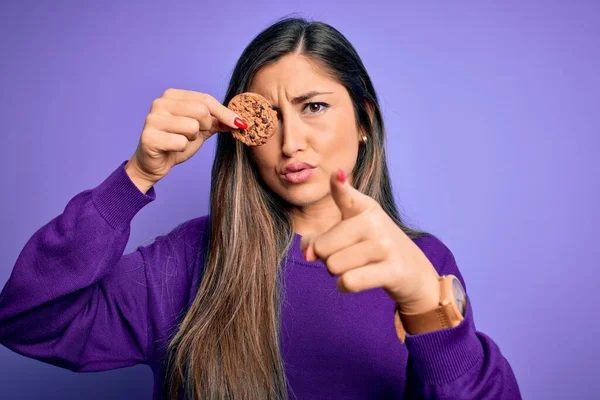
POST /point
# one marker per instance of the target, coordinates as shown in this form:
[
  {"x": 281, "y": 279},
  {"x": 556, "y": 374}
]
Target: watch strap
[{"x": 443, "y": 316}]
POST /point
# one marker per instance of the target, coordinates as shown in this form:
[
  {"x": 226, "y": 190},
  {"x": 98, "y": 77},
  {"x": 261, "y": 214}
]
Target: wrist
[
  {"x": 429, "y": 299},
  {"x": 143, "y": 184},
  {"x": 449, "y": 312}
]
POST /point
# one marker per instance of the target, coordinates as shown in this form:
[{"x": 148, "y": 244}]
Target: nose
[{"x": 293, "y": 135}]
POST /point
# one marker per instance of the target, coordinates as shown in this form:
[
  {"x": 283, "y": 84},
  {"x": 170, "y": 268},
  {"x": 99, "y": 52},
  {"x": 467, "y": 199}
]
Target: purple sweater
[{"x": 76, "y": 301}]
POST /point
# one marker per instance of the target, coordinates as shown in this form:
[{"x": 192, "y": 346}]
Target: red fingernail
[
  {"x": 240, "y": 123},
  {"x": 305, "y": 252},
  {"x": 341, "y": 176}
]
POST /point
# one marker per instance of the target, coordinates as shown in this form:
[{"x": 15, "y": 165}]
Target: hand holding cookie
[{"x": 178, "y": 124}]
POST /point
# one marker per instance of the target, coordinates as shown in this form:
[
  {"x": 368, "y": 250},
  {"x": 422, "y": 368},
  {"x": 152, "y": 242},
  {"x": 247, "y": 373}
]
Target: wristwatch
[{"x": 449, "y": 313}]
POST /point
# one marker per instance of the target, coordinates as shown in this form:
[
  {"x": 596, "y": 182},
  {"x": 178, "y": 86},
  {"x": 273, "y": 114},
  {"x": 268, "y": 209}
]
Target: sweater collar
[{"x": 294, "y": 253}]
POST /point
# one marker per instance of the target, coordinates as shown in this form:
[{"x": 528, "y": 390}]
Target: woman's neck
[{"x": 316, "y": 218}]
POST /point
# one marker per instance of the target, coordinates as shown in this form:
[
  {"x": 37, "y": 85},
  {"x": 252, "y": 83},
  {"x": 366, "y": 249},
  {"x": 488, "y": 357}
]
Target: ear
[{"x": 371, "y": 110}]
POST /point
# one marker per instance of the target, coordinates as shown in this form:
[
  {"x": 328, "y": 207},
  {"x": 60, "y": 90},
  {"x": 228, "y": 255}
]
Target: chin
[{"x": 301, "y": 197}]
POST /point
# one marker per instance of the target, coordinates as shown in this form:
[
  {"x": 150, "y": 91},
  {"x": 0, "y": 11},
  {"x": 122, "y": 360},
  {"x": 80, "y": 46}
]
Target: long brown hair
[{"x": 227, "y": 345}]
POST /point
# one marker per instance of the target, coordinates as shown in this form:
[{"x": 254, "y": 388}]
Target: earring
[{"x": 364, "y": 138}]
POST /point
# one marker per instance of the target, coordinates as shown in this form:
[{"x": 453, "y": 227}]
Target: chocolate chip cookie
[{"x": 260, "y": 116}]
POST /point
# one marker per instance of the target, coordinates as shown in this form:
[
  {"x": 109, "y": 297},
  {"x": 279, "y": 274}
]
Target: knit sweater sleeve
[
  {"x": 460, "y": 362},
  {"x": 76, "y": 301}
]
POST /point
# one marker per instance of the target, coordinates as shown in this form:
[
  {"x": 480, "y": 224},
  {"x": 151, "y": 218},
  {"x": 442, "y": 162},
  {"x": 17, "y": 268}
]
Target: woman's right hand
[{"x": 178, "y": 124}]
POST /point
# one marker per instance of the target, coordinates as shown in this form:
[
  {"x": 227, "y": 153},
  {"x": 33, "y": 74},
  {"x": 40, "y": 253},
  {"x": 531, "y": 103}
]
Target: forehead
[{"x": 293, "y": 74}]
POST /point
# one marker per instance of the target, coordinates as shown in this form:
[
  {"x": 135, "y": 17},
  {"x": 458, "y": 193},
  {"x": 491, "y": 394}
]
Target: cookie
[{"x": 260, "y": 116}]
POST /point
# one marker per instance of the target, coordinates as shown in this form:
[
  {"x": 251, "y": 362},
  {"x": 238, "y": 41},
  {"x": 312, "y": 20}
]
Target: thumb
[{"x": 350, "y": 201}]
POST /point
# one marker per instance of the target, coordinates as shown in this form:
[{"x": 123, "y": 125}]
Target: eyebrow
[
  {"x": 307, "y": 96},
  {"x": 302, "y": 98}
]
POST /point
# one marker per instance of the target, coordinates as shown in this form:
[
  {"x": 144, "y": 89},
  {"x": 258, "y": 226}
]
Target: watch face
[{"x": 459, "y": 296}]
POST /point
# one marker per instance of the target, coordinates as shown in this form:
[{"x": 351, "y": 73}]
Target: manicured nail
[
  {"x": 341, "y": 176},
  {"x": 305, "y": 252},
  {"x": 240, "y": 123}
]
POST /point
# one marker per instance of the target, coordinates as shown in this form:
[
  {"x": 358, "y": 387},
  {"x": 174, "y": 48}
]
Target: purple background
[{"x": 493, "y": 115}]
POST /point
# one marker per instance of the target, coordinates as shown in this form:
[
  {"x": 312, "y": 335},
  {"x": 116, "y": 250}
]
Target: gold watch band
[{"x": 445, "y": 315}]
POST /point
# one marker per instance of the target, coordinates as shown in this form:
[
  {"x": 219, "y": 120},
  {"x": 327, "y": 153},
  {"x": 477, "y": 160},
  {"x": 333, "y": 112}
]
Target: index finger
[
  {"x": 343, "y": 234},
  {"x": 216, "y": 109}
]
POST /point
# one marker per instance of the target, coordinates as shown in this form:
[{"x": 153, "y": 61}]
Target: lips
[
  {"x": 296, "y": 167},
  {"x": 297, "y": 172}
]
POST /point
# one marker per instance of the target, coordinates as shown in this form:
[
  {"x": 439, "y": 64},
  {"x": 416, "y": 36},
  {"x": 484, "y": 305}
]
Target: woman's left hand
[{"x": 367, "y": 250}]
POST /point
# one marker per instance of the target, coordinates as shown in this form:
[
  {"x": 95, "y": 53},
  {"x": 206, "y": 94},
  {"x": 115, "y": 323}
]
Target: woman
[{"x": 300, "y": 283}]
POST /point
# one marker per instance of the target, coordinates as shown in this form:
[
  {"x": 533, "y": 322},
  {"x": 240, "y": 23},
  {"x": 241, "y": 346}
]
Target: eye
[{"x": 316, "y": 108}]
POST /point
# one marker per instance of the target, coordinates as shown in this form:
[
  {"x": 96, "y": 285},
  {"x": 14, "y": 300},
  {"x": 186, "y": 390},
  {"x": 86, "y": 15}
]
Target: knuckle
[
  {"x": 194, "y": 126},
  {"x": 333, "y": 265},
  {"x": 349, "y": 283},
  {"x": 170, "y": 92},
  {"x": 158, "y": 104},
  {"x": 205, "y": 97},
  {"x": 150, "y": 120},
  {"x": 386, "y": 244},
  {"x": 179, "y": 142},
  {"x": 147, "y": 138},
  {"x": 203, "y": 110}
]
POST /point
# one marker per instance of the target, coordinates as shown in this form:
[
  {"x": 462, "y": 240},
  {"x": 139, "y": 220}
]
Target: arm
[
  {"x": 75, "y": 301},
  {"x": 456, "y": 363}
]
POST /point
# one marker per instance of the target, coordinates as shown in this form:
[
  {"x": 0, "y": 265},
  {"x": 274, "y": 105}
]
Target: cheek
[{"x": 341, "y": 143}]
